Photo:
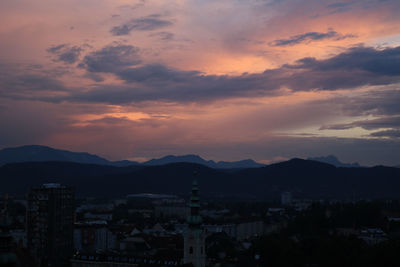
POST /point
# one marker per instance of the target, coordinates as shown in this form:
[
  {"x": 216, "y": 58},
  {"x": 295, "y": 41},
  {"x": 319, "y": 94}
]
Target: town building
[
  {"x": 7, "y": 257},
  {"x": 286, "y": 198},
  {"x": 50, "y": 221},
  {"x": 93, "y": 236}
]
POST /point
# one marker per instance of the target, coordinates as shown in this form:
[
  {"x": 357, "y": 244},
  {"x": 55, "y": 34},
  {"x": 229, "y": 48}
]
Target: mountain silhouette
[
  {"x": 248, "y": 163},
  {"x": 36, "y": 153},
  {"x": 333, "y": 160},
  {"x": 304, "y": 178}
]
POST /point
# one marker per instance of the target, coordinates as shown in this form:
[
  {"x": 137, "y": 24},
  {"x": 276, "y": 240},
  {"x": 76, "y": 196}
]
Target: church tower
[{"x": 194, "y": 236}]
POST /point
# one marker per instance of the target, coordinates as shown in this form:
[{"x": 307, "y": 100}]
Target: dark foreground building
[
  {"x": 7, "y": 257},
  {"x": 50, "y": 220}
]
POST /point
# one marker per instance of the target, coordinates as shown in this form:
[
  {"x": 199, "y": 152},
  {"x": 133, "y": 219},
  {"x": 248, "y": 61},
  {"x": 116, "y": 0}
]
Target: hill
[
  {"x": 333, "y": 160},
  {"x": 307, "y": 179},
  {"x": 248, "y": 163},
  {"x": 44, "y": 153},
  {"x": 35, "y": 153}
]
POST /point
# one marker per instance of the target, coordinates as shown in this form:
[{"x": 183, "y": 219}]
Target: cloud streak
[
  {"x": 149, "y": 23},
  {"x": 386, "y": 122},
  {"x": 309, "y": 37},
  {"x": 387, "y": 133}
]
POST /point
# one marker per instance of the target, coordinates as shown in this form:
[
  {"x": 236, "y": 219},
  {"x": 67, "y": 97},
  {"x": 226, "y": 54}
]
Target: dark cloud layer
[
  {"x": 310, "y": 36},
  {"x": 360, "y": 66},
  {"x": 111, "y": 58},
  {"x": 387, "y": 133},
  {"x": 385, "y": 122},
  {"x": 156, "y": 73},
  {"x": 66, "y": 53},
  {"x": 381, "y": 103},
  {"x": 143, "y": 24},
  {"x": 357, "y": 67},
  {"x": 374, "y": 61},
  {"x": 30, "y": 82},
  {"x": 377, "y": 103}
]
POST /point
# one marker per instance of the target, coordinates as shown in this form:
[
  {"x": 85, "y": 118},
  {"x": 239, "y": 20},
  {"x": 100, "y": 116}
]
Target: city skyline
[{"x": 227, "y": 80}]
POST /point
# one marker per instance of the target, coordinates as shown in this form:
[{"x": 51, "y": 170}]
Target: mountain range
[
  {"x": 304, "y": 178},
  {"x": 35, "y": 153},
  {"x": 247, "y": 163},
  {"x": 333, "y": 160},
  {"x": 91, "y": 175}
]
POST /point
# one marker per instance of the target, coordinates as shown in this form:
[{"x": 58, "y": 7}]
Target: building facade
[
  {"x": 7, "y": 257},
  {"x": 93, "y": 235},
  {"x": 50, "y": 220}
]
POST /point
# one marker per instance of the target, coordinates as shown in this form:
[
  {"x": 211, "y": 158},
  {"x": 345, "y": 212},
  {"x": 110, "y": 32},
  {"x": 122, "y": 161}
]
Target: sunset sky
[{"x": 224, "y": 79}]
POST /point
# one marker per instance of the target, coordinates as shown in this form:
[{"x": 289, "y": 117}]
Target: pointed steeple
[
  {"x": 194, "y": 236},
  {"x": 194, "y": 220}
]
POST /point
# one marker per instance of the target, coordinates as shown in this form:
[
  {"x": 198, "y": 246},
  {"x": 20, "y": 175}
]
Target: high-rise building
[
  {"x": 194, "y": 236},
  {"x": 50, "y": 220},
  {"x": 7, "y": 256}
]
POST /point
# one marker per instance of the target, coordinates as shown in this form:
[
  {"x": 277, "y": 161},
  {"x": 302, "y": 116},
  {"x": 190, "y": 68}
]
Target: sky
[{"x": 225, "y": 79}]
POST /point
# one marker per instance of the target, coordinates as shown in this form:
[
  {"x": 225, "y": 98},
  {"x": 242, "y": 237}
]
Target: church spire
[
  {"x": 194, "y": 220},
  {"x": 194, "y": 235}
]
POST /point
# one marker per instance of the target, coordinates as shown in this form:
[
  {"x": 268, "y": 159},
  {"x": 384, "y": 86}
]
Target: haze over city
[{"x": 228, "y": 80}]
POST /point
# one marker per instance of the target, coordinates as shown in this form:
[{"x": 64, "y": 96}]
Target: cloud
[
  {"x": 377, "y": 102},
  {"x": 357, "y": 67},
  {"x": 340, "y": 7},
  {"x": 387, "y": 133},
  {"x": 157, "y": 72},
  {"x": 20, "y": 83},
  {"x": 31, "y": 82},
  {"x": 380, "y": 103},
  {"x": 65, "y": 53},
  {"x": 56, "y": 48},
  {"x": 309, "y": 37},
  {"x": 149, "y": 23},
  {"x": 376, "y": 61},
  {"x": 111, "y": 58},
  {"x": 385, "y": 122},
  {"x": 109, "y": 120},
  {"x": 352, "y": 69},
  {"x": 164, "y": 36},
  {"x": 36, "y": 83}
]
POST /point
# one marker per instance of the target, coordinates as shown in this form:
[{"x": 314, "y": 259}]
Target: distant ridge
[
  {"x": 304, "y": 178},
  {"x": 333, "y": 160},
  {"x": 247, "y": 163},
  {"x": 36, "y": 153}
]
